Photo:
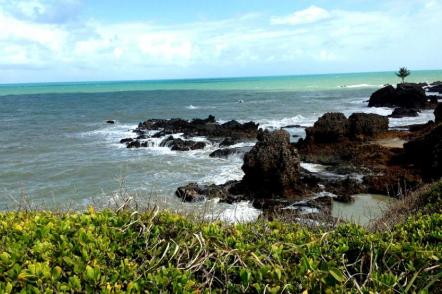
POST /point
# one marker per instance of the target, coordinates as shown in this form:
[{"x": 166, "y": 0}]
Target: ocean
[{"x": 57, "y": 150}]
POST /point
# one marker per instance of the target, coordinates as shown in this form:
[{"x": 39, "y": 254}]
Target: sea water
[{"x": 56, "y": 147}]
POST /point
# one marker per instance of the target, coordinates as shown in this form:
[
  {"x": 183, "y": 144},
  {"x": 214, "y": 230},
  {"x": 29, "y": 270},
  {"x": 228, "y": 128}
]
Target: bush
[{"x": 110, "y": 252}]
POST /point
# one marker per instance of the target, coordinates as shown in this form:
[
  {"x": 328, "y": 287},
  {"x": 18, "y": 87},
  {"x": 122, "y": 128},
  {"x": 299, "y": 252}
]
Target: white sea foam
[
  {"x": 111, "y": 134},
  {"x": 423, "y": 117},
  {"x": 192, "y": 107},
  {"x": 224, "y": 173},
  {"x": 241, "y": 212},
  {"x": 360, "y": 86},
  {"x": 286, "y": 121},
  {"x": 313, "y": 167}
]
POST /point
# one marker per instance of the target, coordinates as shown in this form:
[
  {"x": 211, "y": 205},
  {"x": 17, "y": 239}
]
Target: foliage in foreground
[{"x": 112, "y": 252}]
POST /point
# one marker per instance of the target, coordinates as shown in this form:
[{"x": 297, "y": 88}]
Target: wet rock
[
  {"x": 126, "y": 140},
  {"x": 438, "y": 113},
  {"x": 134, "y": 144},
  {"x": 161, "y": 134},
  {"x": 433, "y": 99},
  {"x": 110, "y": 122},
  {"x": 229, "y": 141},
  {"x": 193, "y": 192},
  {"x": 272, "y": 166},
  {"x": 226, "y": 152},
  {"x": 426, "y": 152},
  {"x": 383, "y": 97},
  {"x": 201, "y": 127},
  {"x": 367, "y": 124},
  {"x": 181, "y": 145},
  {"x": 410, "y": 96},
  {"x": 345, "y": 189},
  {"x": 407, "y": 95},
  {"x": 330, "y": 127},
  {"x": 435, "y": 87},
  {"x": 404, "y": 112}
]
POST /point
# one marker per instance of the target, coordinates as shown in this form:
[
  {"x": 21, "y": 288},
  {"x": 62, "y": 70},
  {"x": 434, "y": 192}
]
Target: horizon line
[{"x": 207, "y": 78}]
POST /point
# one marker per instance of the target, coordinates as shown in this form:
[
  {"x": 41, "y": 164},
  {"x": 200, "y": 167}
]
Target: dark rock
[
  {"x": 134, "y": 144},
  {"x": 426, "y": 152},
  {"x": 272, "y": 166},
  {"x": 433, "y": 99},
  {"x": 421, "y": 127},
  {"x": 292, "y": 127},
  {"x": 438, "y": 113},
  {"x": 193, "y": 192},
  {"x": 330, "y": 127},
  {"x": 201, "y": 127},
  {"x": 226, "y": 152},
  {"x": 198, "y": 121},
  {"x": 110, "y": 122},
  {"x": 161, "y": 134},
  {"x": 410, "y": 96},
  {"x": 181, "y": 145},
  {"x": 435, "y": 87},
  {"x": 383, "y": 97},
  {"x": 404, "y": 112},
  {"x": 126, "y": 140},
  {"x": 229, "y": 141},
  {"x": 406, "y": 95},
  {"x": 367, "y": 124}
]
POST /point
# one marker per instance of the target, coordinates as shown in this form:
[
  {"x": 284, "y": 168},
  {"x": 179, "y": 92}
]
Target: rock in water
[
  {"x": 406, "y": 95},
  {"x": 272, "y": 166},
  {"x": 426, "y": 152},
  {"x": 181, "y": 145},
  {"x": 404, "y": 112},
  {"x": 438, "y": 113},
  {"x": 330, "y": 127},
  {"x": 226, "y": 152},
  {"x": 410, "y": 95},
  {"x": 383, "y": 97},
  {"x": 110, "y": 122},
  {"x": 367, "y": 124}
]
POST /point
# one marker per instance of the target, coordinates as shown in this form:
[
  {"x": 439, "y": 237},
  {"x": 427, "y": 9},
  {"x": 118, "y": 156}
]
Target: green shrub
[{"x": 109, "y": 252}]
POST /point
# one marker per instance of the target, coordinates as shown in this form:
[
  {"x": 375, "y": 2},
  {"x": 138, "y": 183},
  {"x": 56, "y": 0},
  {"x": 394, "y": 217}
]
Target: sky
[{"x": 76, "y": 40}]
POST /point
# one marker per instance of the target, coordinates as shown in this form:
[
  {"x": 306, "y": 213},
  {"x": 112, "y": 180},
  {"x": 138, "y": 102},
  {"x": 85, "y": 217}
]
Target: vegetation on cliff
[{"x": 123, "y": 251}]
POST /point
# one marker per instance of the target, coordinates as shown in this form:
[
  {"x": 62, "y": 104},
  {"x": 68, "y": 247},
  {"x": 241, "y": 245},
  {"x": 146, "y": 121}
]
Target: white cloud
[
  {"x": 244, "y": 45},
  {"x": 309, "y": 15}
]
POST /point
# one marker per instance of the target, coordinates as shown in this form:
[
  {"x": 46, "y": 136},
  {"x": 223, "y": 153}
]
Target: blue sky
[{"x": 75, "y": 40}]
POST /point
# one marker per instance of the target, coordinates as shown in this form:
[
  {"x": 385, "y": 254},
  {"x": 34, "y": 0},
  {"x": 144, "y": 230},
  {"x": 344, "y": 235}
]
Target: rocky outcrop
[
  {"x": 366, "y": 124},
  {"x": 226, "y": 152},
  {"x": 229, "y": 133},
  {"x": 426, "y": 152},
  {"x": 400, "y": 112},
  {"x": 271, "y": 168},
  {"x": 193, "y": 192},
  {"x": 335, "y": 127},
  {"x": 438, "y": 113},
  {"x": 407, "y": 95},
  {"x": 110, "y": 122},
  {"x": 201, "y": 127},
  {"x": 435, "y": 87},
  {"x": 331, "y": 127},
  {"x": 179, "y": 144},
  {"x": 383, "y": 97}
]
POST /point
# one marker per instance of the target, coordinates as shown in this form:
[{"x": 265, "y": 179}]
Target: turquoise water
[
  {"x": 282, "y": 83},
  {"x": 56, "y": 148}
]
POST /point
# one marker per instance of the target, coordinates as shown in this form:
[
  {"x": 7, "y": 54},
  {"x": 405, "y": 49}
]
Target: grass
[
  {"x": 43, "y": 252},
  {"x": 122, "y": 250}
]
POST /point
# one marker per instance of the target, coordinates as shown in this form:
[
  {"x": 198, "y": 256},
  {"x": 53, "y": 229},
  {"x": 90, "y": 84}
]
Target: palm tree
[{"x": 403, "y": 73}]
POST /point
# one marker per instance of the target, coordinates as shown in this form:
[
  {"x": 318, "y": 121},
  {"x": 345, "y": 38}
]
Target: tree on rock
[{"x": 403, "y": 73}]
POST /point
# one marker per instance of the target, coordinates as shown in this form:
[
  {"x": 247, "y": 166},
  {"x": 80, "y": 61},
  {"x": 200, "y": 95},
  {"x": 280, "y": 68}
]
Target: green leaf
[{"x": 337, "y": 274}]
